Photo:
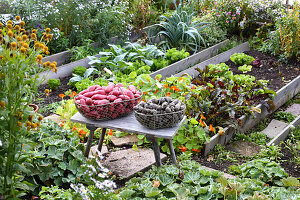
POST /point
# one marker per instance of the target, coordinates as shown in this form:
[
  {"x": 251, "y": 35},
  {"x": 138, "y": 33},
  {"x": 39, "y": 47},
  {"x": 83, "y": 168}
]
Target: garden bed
[
  {"x": 289, "y": 71},
  {"x": 66, "y": 70}
]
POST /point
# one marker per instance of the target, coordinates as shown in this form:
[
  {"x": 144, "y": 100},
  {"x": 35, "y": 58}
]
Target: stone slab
[
  {"x": 94, "y": 149},
  {"x": 294, "y": 109},
  {"x": 129, "y": 124},
  {"x": 125, "y": 140},
  {"x": 54, "y": 118},
  {"x": 274, "y": 128},
  {"x": 126, "y": 163},
  {"x": 228, "y": 176},
  {"x": 244, "y": 148}
]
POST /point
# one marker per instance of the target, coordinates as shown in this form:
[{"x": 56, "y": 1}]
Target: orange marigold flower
[
  {"x": 61, "y": 96},
  {"x": 196, "y": 150},
  {"x": 155, "y": 92},
  {"x": 182, "y": 148},
  {"x": 61, "y": 124},
  {"x": 145, "y": 93},
  {"x": 166, "y": 86},
  {"x": 110, "y": 132},
  {"x": 81, "y": 131},
  {"x": 194, "y": 87},
  {"x": 174, "y": 88},
  {"x": 211, "y": 128},
  {"x": 74, "y": 128},
  {"x": 168, "y": 94},
  {"x": 74, "y": 93}
]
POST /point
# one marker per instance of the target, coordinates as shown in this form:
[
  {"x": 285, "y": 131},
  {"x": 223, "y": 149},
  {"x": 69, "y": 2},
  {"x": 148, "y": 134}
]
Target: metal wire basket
[
  {"x": 158, "y": 121},
  {"x": 107, "y": 111}
]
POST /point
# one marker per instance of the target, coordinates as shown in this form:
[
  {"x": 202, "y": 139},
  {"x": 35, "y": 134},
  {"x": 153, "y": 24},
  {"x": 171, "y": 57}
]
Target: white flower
[{"x": 0, "y": 143}]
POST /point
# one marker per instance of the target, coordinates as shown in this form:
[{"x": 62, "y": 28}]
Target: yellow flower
[
  {"x": 30, "y": 117},
  {"x": 24, "y": 37},
  {"x": 9, "y": 26},
  {"x": 38, "y": 124},
  {"x": 22, "y": 30},
  {"x": 50, "y": 36},
  {"x": 39, "y": 57},
  {"x": 48, "y": 63},
  {"x": 17, "y": 27},
  {"x": 25, "y": 45},
  {"x": 18, "y": 18},
  {"x": 19, "y": 123},
  {"x": 33, "y": 35},
  {"x": 9, "y": 22},
  {"x": 13, "y": 45},
  {"x": 19, "y": 38},
  {"x": 45, "y": 49},
  {"x": 37, "y": 44},
  {"x": 10, "y": 33},
  {"x": 40, "y": 118},
  {"x": 54, "y": 63},
  {"x": 2, "y": 104},
  {"x": 1, "y": 25},
  {"x": 22, "y": 23},
  {"x": 23, "y": 50},
  {"x": 34, "y": 31},
  {"x": 52, "y": 66},
  {"x": 54, "y": 69},
  {"x": 48, "y": 30}
]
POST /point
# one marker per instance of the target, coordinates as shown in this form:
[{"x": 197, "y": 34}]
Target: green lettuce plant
[{"x": 241, "y": 59}]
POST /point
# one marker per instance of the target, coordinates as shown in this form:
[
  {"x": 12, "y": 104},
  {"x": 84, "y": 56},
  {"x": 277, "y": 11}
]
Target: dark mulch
[
  {"x": 42, "y": 99},
  {"x": 271, "y": 69}
]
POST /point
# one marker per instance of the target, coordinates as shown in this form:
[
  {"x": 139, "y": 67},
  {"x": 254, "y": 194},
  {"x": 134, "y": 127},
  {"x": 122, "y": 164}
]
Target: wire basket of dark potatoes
[
  {"x": 107, "y": 102},
  {"x": 164, "y": 112}
]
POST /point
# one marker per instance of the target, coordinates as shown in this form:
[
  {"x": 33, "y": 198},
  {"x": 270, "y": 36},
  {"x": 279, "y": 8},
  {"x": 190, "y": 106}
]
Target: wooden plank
[
  {"x": 190, "y": 61},
  {"x": 223, "y": 57},
  {"x": 129, "y": 124},
  {"x": 284, "y": 133}
]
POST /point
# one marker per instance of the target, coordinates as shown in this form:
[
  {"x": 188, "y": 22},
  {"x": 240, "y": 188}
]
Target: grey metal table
[{"x": 130, "y": 125}]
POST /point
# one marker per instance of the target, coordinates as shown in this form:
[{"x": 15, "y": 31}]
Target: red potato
[
  {"x": 80, "y": 97},
  {"x": 115, "y": 92},
  {"x": 99, "y": 97},
  {"x": 124, "y": 97},
  {"x": 132, "y": 89},
  {"x": 109, "y": 88},
  {"x": 128, "y": 110},
  {"x": 137, "y": 95},
  {"x": 82, "y": 102},
  {"x": 85, "y": 109},
  {"x": 89, "y": 101},
  {"x": 88, "y": 94},
  {"x": 111, "y": 107},
  {"x": 78, "y": 101},
  {"x": 100, "y": 92},
  {"x": 111, "y": 98},
  {"x": 114, "y": 115},
  {"x": 119, "y": 85},
  {"x": 95, "y": 114},
  {"x": 92, "y": 88},
  {"x": 83, "y": 92},
  {"x": 129, "y": 94},
  {"x": 101, "y": 102},
  {"x": 120, "y": 109},
  {"x": 98, "y": 87}
]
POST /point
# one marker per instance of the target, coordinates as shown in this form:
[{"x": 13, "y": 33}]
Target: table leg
[
  {"x": 156, "y": 150},
  {"x": 101, "y": 139},
  {"x": 90, "y": 139},
  {"x": 171, "y": 148}
]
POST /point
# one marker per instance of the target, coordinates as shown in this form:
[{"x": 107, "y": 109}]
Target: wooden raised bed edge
[
  {"x": 283, "y": 95},
  {"x": 284, "y": 133},
  {"x": 190, "y": 61},
  {"x": 66, "y": 70}
]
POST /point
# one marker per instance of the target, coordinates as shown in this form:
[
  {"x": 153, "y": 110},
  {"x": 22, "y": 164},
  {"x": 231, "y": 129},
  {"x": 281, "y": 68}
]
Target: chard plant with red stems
[{"x": 20, "y": 53}]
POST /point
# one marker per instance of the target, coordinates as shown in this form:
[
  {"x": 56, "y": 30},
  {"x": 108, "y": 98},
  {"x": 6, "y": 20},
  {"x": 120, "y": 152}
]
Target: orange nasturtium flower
[
  {"x": 174, "y": 88},
  {"x": 196, "y": 150},
  {"x": 211, "y": 128},
  {"x": 110, "y": 132},
  {"x": 166, "y": 86},
  {"x": 168, "y": 94},
  {"x": 61, "y": 124},
  {"x": 182, "y": 148},
  {"x": 201, "y": 122},
  {"x": 61, "y": 96},
  {"x": 202, "y": 117},
  {"x": 74, "y": 128}
]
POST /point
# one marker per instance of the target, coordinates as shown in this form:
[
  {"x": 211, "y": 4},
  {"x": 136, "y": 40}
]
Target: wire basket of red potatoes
[
  {"x": 107, "y": 102},
  {"x": 164, "y": 112}
]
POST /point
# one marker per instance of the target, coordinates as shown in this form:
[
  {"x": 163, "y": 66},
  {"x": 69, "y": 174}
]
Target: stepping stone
[
  {"x": 228, "y": 176},
  {"x": 94, "y": 149},
  {"x": 125, "y": 140},
  {"x": 54, "y": 118},
  {"x": 274, "y": 128},
  {"x": 294, "y": 109},
  {"x": 244, "y": 148},
  {"x": 126, "y": 163}
]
